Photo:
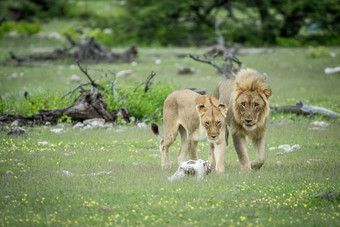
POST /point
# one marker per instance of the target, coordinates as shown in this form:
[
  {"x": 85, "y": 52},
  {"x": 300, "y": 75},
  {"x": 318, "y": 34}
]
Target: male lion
[
  {"x": 196, "y": 117},
  {"x": 248, "y": 113}
]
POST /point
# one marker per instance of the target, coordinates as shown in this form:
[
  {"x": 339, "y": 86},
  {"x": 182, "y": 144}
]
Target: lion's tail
[{"x": 154, "y": 128}]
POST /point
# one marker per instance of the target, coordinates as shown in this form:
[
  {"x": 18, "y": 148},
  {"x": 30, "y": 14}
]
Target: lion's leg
[
  {"x": 226, "y": 135},
  {"x": 170, "y": 133},
  {"x": 212, "y": 160},
  {"x": 192, "y": 150},
  {"x": 164, "y": 147},
  {"x": 219, "y": 152},
  {"x": 259, "y": 145},
  {"x": 183, "y": 151},
  {"x": 240, "y": 144}
]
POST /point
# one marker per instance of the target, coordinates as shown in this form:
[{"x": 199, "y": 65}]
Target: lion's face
[
  {"x": 250, "y": 104},
  {"x": 212, "y": 117},
  {"x": 212, "y": 121}
]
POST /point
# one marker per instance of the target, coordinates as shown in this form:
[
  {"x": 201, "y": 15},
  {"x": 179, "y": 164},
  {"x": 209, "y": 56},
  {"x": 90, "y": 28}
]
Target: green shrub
[
  {"x": 24, "y": 27},
  {"x": 21, "y": 27},
  {"x": 65, "y": 118},
  {"x": 287, "y": 42},
  {"x": 71, "y": 32},
  {"x": 7, "y": 26},
  {"x": 319, "y": 51},
  {"x": 140, "y": 104},
  {"x": 16, "y": 103},
  {"x": 100, "y": 36},
  {"x": 33, "y": 9}
]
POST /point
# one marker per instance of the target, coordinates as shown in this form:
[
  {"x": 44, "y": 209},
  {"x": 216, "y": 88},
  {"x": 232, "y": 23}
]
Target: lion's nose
[
  {"x": 213, "y": 137},
  {"x": 248, "y": 121}
]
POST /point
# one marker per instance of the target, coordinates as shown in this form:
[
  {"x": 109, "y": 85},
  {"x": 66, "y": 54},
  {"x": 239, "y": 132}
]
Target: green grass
[
  {"x": 136, "y": 190},
  {"x": 138, "y": 193}
]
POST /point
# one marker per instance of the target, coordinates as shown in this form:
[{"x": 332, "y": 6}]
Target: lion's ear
[
  {"x": 201, "y": 109},
  {"x": 214, "y": 101},
  {"x": 200, "y": 100},
  {"x": 267, "y": 92},
  {"x": 223, "y": 109}
]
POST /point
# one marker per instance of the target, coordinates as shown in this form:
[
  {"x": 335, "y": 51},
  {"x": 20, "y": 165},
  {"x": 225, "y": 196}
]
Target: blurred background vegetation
[{"x": 285, "y": 23}]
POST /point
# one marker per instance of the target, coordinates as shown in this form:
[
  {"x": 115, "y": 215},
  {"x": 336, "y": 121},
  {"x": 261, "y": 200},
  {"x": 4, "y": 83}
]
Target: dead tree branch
[
  {"x": 220, "y": 38},
  {"x": 89, "y": 104},
  {"x": 227, "y": 69},
  {"x": 71, "y": 41},
  {"x": 88, "y": 52},
  {"x": 148, "y": 82},
  {"x": 70, "y": 93},
  {"x": 304, "y": 109},
  {"x": 80, "y": 86},
  {"x": 84, "y": 70},
  {"x": 113, "y": 83}
]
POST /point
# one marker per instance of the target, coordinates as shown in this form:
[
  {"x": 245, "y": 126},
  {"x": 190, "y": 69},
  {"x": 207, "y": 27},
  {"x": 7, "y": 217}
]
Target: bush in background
[
  {"x": 31, "y": 10},
  {"x": 319, "y": 51},
  {"x": 140, "y": 104},
  {"x": 16, "y": 103},
  {"x": 22, "y": 27},
  {"x": 192, "y": 22}
]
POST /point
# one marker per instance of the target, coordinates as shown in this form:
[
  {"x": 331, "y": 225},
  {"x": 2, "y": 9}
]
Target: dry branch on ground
[
  {"x": 89, "y": 104},
  {"x": 227, "y": 68},
  {"x": 304, "y": 109},
  {"x": 88, "y": 52}
]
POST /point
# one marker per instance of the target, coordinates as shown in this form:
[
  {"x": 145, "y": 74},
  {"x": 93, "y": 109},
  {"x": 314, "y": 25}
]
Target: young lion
[
  {"x": 248, "y": 113},
  {"x": 196, "y": 117}
]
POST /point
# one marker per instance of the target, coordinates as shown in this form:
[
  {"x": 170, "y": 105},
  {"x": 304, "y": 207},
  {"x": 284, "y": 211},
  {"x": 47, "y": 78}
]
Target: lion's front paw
[
  {"x": 246, "y": 167},
  {"x": 256, "y": 165},
  {"x": 166, "y": 166}
]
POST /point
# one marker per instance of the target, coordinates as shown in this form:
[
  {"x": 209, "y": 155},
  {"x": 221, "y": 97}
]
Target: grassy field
[{"x": 113, "y": 176}]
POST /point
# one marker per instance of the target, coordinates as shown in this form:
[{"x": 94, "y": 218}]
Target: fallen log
[
  {"x": 88, "y": 52},
  {"x": 304, "y": 109},
  {"x": 41, "y": 118},
  {"x": 87, "y": 106},
  {"x": 91, "y": 52}
]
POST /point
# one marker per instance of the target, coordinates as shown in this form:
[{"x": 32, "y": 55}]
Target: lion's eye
[
  {"x": 218, "y": 123},
  {"x": 207, "y": 123},
  {"x": 243, "y": 104},
  {"x": 256, "y": 105}
]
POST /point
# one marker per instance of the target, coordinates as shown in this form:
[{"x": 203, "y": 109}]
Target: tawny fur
[
  {"x": 196, "y": 117},
  {"x": 248, "y": 113}
]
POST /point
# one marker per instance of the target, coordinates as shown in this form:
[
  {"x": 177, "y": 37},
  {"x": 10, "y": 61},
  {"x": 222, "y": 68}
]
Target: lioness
[
  {"x": 196, "y": 117},
  {"x": 248, "y": 113}
]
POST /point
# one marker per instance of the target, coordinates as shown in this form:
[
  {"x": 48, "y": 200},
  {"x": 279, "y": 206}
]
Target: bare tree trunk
[{"x": 302, "y": 108}]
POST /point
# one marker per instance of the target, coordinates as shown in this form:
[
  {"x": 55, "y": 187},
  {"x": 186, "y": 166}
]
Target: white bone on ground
[{"x": 200, "y": 167}]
